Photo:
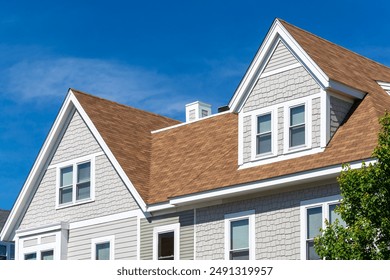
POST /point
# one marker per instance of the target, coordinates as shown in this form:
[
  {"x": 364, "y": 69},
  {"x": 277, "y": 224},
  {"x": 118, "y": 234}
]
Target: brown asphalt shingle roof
[{"x": 203, "y": 155}]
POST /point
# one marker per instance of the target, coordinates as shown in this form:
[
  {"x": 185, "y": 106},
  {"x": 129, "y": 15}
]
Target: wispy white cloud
[{"x": 45, "y": 80}]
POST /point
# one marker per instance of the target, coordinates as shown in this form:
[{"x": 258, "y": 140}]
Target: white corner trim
[
  {"x": 325, "y": 119},
  {"x": 175, "y": 228}
]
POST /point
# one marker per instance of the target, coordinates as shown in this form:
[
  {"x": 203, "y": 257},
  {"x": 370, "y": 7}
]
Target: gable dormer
[{"x": 288, "y": 107}]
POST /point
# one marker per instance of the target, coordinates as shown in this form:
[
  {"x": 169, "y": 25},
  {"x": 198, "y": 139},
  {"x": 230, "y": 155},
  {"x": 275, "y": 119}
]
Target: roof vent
[{"x": 197, "y": 110}]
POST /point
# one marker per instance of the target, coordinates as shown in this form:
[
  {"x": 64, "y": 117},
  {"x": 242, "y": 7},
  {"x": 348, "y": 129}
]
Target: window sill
[
  {"x": 297, "y": 149},
  {"x": 263, "y": 156},
  {"x": 71, "y": 204}
]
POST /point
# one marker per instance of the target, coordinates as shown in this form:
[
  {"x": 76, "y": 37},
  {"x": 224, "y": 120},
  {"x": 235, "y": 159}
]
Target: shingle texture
[
  {"x": 3, "y": 218},
  {"x": 202, "y": 156}
]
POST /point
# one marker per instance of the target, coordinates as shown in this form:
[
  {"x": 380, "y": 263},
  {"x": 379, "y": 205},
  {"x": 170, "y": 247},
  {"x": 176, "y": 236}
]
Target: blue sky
[{"x": 153, "y": 55}]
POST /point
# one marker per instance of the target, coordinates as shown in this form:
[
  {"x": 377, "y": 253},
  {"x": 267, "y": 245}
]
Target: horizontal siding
[
  {"x": 125, "y": 232},
  {"x": 186, "y": 220},
  {"x": 281, "y": 57}
]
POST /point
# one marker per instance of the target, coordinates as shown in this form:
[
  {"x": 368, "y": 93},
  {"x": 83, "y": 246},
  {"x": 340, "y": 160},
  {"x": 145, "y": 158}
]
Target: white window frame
[
  {"x": 100, "y": 240},
  {"x": 250, "y": 215},
  {"x": 39, "y": 247},
  {"x": 307, "y": 102},
  {"x": 175, "y": 228},
  {"x": 74, "y": 163},
  {"x": 323, "y": 202},
  {"x": 274, "y": 141}
]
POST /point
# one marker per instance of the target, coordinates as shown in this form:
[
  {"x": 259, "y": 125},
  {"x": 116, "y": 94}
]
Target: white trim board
[
  {"x": 293, "y": 179},
  {"x": 68, "y": 107}
]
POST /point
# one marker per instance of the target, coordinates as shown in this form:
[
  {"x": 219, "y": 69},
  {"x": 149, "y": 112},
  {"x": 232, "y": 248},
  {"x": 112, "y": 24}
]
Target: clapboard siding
[
  {"x": 125, "y": 232},
  {"x": 186, "y": 220},
  {"x": 281, "y": 57}
]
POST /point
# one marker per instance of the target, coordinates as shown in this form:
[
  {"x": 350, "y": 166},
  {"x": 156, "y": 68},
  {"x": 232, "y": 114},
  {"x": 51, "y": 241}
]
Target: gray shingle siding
[
  {"x": 111, "y": 194},
  {"x": 338, "y": 111},
  {"x": 277, "y": 223},
  {"x": 281, "y": 87}
]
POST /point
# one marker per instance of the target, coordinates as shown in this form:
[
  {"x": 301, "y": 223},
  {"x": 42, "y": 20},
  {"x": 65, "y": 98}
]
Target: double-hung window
[
  {"x": 297, "y": 126},
  {"x": 166, "y": 242},
  {"x": 75, "y": 182},
  {"x": 314, "y": 213},
  {"x": 264, "y": 134},
  {"x": 239, "y": 236},
  {"x": 103, "y": 248}
]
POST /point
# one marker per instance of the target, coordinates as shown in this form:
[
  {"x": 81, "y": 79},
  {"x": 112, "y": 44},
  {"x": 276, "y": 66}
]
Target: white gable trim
[
  {"x": 108, "y": 153},
  {"x": 41, "y": 163},
  {"x": 277, "y": 32}
]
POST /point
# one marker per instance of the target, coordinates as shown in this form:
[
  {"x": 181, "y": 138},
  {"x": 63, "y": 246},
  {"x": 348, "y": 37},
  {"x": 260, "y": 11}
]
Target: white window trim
[
  {"x": 75, "y": 163},
  {"x": 307, "y": 102},
  {"x": 274, "y": 140},
  {"x": 39, "y": 248},
  {"x": 250, "y": 215},
  {"x": 323, "y": 202},
  {"x": 106, "y": 239},
  {"x": 164, "y": 229}
]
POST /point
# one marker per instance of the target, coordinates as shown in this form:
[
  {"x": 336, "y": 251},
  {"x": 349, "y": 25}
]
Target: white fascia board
[
  {"x": 39, "y": 165},
  {"x": 384, "y": 85},
  {"x": 70, "y": 104},
  {"x": 277, "y": 32},
  {"x": 294, "y": 179},
  {"x": 108, "y": 152},
  {"x": 339, "y": 87}
]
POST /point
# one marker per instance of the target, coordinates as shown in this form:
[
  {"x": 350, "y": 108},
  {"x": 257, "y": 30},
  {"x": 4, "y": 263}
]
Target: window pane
[
  {"x": 333, "y": 215},
  {"x": 48, "y": 255},
  {"x": 66, "y": 176},
  {"x": 297, "y": 136},
  {"x": 264, "y": 143},
  {"x": 65, "y": 195},
  {"x": 84, "y": 172},
  {"x": 314, "y": 222},
  {"x": 311, "y": 253},
  {"x": 12, "y": 253},
  {"x": 297, "y": 115},
  {"x": 264, "y": 123},
  {"x": 166, "y": 246},
  {"x": 239, "y": 234},
  {"x": 3, "y": 252},
  {"x": 83, "y": 191},
  {"x": 103, "y": 251},
  {"x": 29, "y": 257},
  {"x": 239, "y": 255}
]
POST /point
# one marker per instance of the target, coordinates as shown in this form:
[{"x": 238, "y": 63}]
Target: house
[
  {"x": 7, "y": 249},
  {"x": 254, "y": 181}
]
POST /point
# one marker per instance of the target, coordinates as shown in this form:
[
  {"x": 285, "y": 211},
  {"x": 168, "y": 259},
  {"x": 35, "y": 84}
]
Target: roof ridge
[
  {"x": 122, "y": 105},
  {"x": 332, "y": 43}
]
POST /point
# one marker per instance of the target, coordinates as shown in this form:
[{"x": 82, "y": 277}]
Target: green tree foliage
[{"x": 365, "y": 207}]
